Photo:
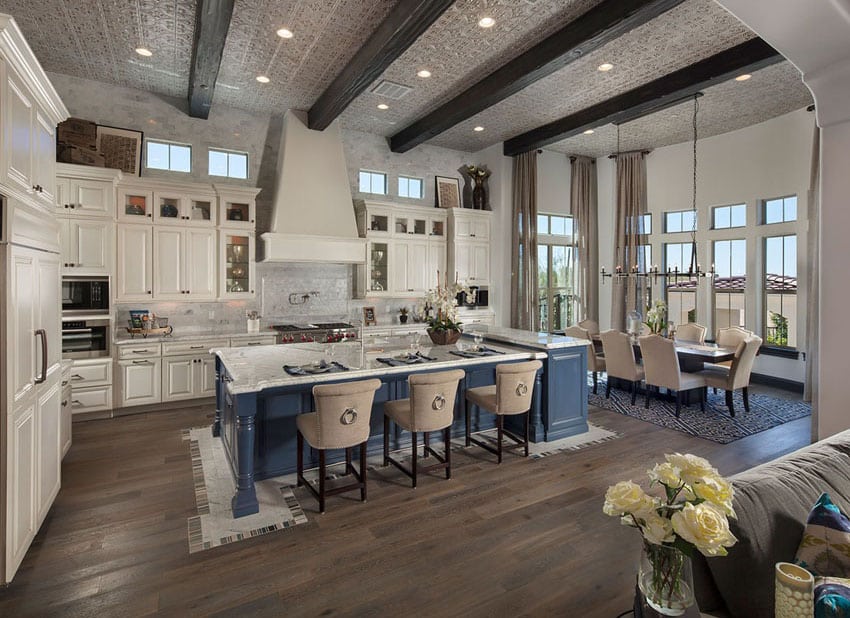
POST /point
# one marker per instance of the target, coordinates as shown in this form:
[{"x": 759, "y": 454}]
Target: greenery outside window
[{"x": 780, "y": 291}]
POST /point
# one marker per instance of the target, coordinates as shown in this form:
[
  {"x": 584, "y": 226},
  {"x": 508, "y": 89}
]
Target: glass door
[
  {"x": 378, "y": 267},
  {"x": 135, "y": 206},
  {"x": 237, "y": 271}
]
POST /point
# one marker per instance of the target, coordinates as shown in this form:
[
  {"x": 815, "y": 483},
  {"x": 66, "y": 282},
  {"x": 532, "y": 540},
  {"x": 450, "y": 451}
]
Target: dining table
[{"x": 692, "y": 354}]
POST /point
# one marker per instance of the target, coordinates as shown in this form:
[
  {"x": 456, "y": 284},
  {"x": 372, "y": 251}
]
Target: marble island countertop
[
  {"x": 123, "y": 338},
  {"x": 543, "y": 341},
  {"x": 259, "y": 368}
]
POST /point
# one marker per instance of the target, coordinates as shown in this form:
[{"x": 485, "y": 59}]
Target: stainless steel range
[{"x": 319, "y": 332}]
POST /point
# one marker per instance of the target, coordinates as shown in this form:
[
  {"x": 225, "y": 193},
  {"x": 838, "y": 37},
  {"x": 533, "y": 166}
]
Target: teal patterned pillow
[
  {"x": 825, "y": 548},
  {"x": 832, "y": 597}
]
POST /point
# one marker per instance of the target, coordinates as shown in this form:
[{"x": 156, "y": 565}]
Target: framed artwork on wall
[
  {"x": 121, "y": 148},
  {"x": 369, "y": 316},
  {"x": 447, "y": 192}
]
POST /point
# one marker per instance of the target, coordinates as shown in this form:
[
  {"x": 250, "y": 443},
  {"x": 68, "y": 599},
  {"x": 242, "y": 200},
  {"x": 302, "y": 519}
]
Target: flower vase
[
  {"x": 479, "y": 194},
  {"x": 665, "y": 579},
  {"x": 443, "y": 337}
]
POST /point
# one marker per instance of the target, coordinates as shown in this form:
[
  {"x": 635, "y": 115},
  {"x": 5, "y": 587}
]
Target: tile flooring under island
[{"x": 527, "y": 537}]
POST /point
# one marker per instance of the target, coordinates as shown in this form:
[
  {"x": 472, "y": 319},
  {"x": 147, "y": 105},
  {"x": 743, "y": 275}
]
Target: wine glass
[{"x": 478, "y": 338}]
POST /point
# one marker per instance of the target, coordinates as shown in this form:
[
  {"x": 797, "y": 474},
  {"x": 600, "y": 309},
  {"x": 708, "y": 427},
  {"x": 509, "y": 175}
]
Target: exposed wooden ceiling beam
[
  {"x": 653, "y": 96},
  {"x": 404, "y": 24},
  {"x": 212, "y": 21},
  {"x": 598, "y": 26}
]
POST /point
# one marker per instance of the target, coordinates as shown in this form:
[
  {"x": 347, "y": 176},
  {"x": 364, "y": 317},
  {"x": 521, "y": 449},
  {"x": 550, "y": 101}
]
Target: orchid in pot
[
  {"x": 692, "y": 515},
  {"x": 656, "y": 317},
  {"x": 441, "y": 311}
]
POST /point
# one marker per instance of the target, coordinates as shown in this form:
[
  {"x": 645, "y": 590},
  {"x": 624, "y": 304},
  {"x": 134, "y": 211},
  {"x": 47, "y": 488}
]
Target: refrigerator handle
[{"x": 43, "y": 333}]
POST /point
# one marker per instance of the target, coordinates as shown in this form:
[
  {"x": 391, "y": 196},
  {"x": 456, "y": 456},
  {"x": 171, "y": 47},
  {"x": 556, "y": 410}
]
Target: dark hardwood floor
[{"x": 524, "y": 538}]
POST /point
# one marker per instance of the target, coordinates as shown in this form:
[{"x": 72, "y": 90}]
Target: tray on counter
[{"x": 165, "y": 331}]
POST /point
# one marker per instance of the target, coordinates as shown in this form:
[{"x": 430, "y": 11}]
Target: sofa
[{"x": 772, "y": 502}]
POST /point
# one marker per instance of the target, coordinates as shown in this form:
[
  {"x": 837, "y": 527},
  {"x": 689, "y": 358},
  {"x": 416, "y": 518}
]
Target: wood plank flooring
[{"x": 527, "y": 538}]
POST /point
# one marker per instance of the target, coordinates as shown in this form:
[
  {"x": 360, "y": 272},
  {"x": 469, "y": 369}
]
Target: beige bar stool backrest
[
  {"x": 660, "y": 363},
  {"x": 515, "y": 386},
  {"x": 343, "y": 412},
  {"x": 432, "y": 399},
  {"x": 691, "y": 331}
]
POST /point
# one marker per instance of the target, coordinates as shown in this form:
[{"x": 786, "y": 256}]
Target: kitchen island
[{"x": 257, "y": 400}]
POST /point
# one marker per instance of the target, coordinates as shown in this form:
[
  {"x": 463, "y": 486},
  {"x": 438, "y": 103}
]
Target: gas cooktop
[{"x": 322, "y": 332}]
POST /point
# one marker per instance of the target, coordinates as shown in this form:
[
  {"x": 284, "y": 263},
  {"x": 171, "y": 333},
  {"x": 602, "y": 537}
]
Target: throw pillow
[
  {"x": 825, "y": 548},
  {"x": 832, "y": 597}
]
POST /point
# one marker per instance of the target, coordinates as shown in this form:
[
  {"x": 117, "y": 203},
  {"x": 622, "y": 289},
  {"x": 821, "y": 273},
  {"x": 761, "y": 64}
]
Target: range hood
[{"x": 312, "y": 215}]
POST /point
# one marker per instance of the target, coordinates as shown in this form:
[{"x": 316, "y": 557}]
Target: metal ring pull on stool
[
  {"x": 349, "y": 416},
  {"x": 521, "y": 389},
  {"x": 439, "y": 402}
]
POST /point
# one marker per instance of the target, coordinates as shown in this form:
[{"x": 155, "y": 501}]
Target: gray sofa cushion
[{"x": 772, "y": 502}]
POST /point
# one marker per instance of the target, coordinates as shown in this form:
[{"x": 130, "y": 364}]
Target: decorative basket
[{"x": 444, "y": 337}]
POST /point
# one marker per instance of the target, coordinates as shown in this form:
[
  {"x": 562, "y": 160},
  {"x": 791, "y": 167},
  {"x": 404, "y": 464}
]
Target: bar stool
[
  {"x": 511, "y": 394},
  {"x": 341, "y": 421},
  {"x": 430, "y": 408}
]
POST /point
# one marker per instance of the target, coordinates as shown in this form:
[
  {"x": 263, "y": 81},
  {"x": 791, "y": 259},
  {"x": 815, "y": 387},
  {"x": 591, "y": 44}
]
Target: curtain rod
[
  {"x": 643, "y": 152},
  {"x": 574, "y": 157}
]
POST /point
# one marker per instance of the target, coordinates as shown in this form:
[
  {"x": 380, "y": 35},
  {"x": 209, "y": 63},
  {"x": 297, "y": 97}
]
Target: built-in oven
[
  {"x": 85, "y": 295},
  {"x": 479, "y": 297},
  {"x": 85, "y": 338}
]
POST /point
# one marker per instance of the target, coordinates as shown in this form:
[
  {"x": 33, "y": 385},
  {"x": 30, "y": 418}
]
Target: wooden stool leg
[
  {"x": 386, "y": 440},
  {"x": 413, "y": 455},
  {"x": 447, "y": 440},
  {"x": 467, "y": 406},
  {"x": 527, "y": 423},
  {"x": 499, "y": 426},
  {"x": 363, "y": 471},
  {"x": 322, "y": 481},
  {"x": 300, "y": 474},
  {"x": 426, "y": 436},
  {"x": 348, "y": 460}
]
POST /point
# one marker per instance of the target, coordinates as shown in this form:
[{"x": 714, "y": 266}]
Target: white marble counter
[
  {"x": 543, "y": 341},
  {"x": 124, "y": 338},
  {"x": 258, "y": 368}
]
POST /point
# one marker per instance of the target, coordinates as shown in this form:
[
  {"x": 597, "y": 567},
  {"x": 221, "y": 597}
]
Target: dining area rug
[{"x": 715, "y": 423}]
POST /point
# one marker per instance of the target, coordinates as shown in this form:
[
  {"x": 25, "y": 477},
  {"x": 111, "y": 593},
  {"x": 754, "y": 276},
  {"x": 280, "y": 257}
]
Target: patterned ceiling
[{"x": 96, "y": 39}]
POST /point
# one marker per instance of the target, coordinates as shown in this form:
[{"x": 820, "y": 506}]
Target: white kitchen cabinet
[
  {"x": 91, "y": 399},
  {"x": 91, "y": 383},
  {"x": 44, "y": 157},
  {"x": 85, "y": 197},
  {"x": 135, "y": 263},
  {"x": 205, "y": 386},
  {"x": 480, "y": 270},
  {"x": 410, "y": 266},
  {"x": 178, "y": 377},
  {"x": 237, "y": 264},
  {"x": 237, "y": 209},
  {"x": 436, "y": 264},
  {"x": 469, "y": 246},
  {"x": 19, "y": 132},
  {"x": 184, "y": 264},
  {"x": 86, "y": 246},
  {"x": 135, "y": 204},
  {"x": 140, "y": 381},
  {"x": 21, "y": 485},
  {"x": 49, "y": 464},
  {"x": 175, "y": 207}
]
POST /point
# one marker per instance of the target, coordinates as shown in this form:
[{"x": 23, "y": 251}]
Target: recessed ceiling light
[
  {"x": 486, "y": 22},
  {"x": 589, "y": 132},
  {"x": 605, "y": 66},
  {"x": 479, "y": 129},
  {"x": 424, "y": 73},
  {"x": 144, "y": 51},
  {"x": 743, "y": 78},
  {"x": 263, "y": 79},
  {"x": 284, "y": 33},
  {"x": 383, "y": 106}
]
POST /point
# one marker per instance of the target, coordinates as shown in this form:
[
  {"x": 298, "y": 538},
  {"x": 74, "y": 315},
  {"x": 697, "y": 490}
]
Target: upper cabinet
[
  {"x": 135, "y": 204},
  {"x": 86, "y": 191},
  {"x": 237, "y": 209},
  {"x": 469, "y": 245},
  {"x": 197, "y": 209}
]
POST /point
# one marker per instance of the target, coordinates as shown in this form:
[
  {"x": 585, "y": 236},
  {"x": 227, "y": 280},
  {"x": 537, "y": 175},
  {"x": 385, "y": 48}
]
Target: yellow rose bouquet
[{"x": 692, "y": 514}]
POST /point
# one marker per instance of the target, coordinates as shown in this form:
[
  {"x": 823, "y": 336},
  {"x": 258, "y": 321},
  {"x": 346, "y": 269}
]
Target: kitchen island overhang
[{"x": 257, "y": 401}]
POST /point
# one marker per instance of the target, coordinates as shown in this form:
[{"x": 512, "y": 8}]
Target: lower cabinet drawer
[
  {"x": 91, "y": 373},
  {"x": 91, "y": 399},
  {"x": 178, "y": 348},
  {"x": 238, "y": 342}
]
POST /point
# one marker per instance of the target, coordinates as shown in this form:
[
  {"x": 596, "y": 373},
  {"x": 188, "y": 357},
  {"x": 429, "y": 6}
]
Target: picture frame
[
  {"x": 447, "y": 192},
  {"x": 121, "y": 148},
  {"x": 369, "y": 318}
]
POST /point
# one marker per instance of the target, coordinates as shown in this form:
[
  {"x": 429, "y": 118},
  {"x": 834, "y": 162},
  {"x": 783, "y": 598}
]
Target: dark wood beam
[
  {"x": 653, "y": 96},
  {"x": 212, "y": 21},
  {"x": 598, "y": 26},
  {"x": 405, "y": 23}
]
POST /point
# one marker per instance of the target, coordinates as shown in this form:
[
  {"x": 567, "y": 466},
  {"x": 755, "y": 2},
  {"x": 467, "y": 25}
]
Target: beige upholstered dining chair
[
  {"x": 661, "y": 368},
  {"x": 591, "y": 326},
  {"x": 430, "y": 407},
  {"x": 620, "y": 361},
  {"x": 341, "y": 421},
  {"x": 510, "y": 395},
  {"x": 738, "y": 374},
  {"x": 732, "y": 336},
  {"x": 692, "y": 332},
  {"x": 595, "y": 363}
]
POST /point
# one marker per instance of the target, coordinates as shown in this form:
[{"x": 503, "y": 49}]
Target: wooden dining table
[{"x": 692, "y": 355}]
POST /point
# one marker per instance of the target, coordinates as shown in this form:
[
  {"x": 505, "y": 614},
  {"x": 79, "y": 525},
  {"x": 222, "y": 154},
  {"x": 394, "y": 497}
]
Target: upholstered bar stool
[
  {"x": 511, "y": 394},
  {"x": 341, "y": 421},
  {"x": 430, "y": 407}
]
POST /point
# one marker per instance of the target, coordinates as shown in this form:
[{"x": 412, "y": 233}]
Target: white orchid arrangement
[
  {"x": 442, "y": 301},
  {"x": 656, "y": 316},
  {"x": 693, "y": 514}
]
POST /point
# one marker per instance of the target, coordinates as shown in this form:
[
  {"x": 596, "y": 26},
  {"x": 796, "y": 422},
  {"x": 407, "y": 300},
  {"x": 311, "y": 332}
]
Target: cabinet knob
[
  {"x": 149, "y": 292},
  {"x": 73, "y": 206},
  {"x": 72, "y": 265},
  {"x": 149, "y": 214},
  {"x": 67, "y": 206}
]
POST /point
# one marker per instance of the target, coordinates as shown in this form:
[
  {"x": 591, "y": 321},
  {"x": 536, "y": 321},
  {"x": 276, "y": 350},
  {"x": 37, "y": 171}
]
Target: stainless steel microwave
[{"x": 85, "y": 295}]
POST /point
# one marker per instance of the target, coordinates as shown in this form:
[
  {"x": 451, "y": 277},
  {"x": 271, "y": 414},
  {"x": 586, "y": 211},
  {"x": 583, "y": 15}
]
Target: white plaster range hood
[{"x": 312, "y": 215}]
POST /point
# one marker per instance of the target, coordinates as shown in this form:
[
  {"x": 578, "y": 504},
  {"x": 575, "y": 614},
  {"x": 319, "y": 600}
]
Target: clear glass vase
[{"x": 665, "y": 579}]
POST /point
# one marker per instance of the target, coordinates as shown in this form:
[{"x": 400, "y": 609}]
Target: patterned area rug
[
  {"x": 214, "y": 524},
  {"x": 715, "y": 423},
  {"x": 595, "y": 435}
]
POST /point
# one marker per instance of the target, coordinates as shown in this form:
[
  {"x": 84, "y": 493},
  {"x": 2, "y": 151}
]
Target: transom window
[
  {"x": 229, "y": 163},
  {"x": 168, "y": 156},
  {"x": 373, "y": 182},
  {"x": 409, "y": 187},
  {"x": 555, "y": 225},
  {"x": 679, "y": 221},
  {"x": 780, "y": 290},
  {"x": 730, "y": 264},
  {"x": 780, "y": 210},
  {"x": 729, "y": 216}
]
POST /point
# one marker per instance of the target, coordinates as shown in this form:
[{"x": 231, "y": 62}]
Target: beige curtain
[
  {"x": 627, "y": 293},
  {"x": 524, "y": 243},
  {"x": 813, "y": 278},
  {"x": 583, "y": 207}
]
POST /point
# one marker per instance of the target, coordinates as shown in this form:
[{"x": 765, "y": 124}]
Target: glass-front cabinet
[
  {"x": 236, "y": 272},
  {"x": 378, "y": 268},
  {"x": 411, "y": 226},
  {"x": 236, "y": 211},
  {"x": 172, "y": 208},
  {"x": 135, "y": 206}
]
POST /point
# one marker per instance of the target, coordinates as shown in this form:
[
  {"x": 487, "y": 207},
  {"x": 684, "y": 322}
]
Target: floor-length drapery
[
  {"x": 524, "y": 243},
  {"x": 583, "y": 207},
  {"x": 813, "y": 279},
  {"x": 627, "y": 293}
]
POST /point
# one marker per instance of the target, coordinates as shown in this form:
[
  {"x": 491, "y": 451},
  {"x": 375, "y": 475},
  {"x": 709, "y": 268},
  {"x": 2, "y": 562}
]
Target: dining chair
[
  {"x": 691, "y": 331},
  {"x": 341, "y": 421},
  {"x": 591, "y": 326},
  {"x": 595, "y": 362},
  {"x": 661, "y": 369},
  {"x": 510, "y": 395},
  {"x": 620, "y": 361},
  {"x": 730, "y": 337},
  {"x": 430, "y": 407},
  {"x": 737, "y": 375}
]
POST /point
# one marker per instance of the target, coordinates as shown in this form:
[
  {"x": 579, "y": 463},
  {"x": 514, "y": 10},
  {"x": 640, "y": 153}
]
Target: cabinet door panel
[
  {"x": 49, "y": 423},
  {"x": 135, "y": 262},
  {"x": 19, "y": 134},
  {"x": 418, "y": 267},
  {"x": 206, "y": 386},
  {"x": 480, "y": 263},
  {"x": 44, "y": 159},
  {"x": 23, "y": 323},
  {"x": 22, "y": 486},
  {"x": 140, "y": 381},
  {"x": 90, "y": 197},
  {"x": 436, "y": 264},
  {"x": 92, "y": 240},
  {"x": 200, "y": 263},
  {"x": 177, "y": 377},
  {"x": 48, "y": 316},
  {"x": 169, "y": 269},
  {"x": 66, "y": 244},
  {"x": 399, "y": 267},
  {"x": 463, "y": 254}
]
